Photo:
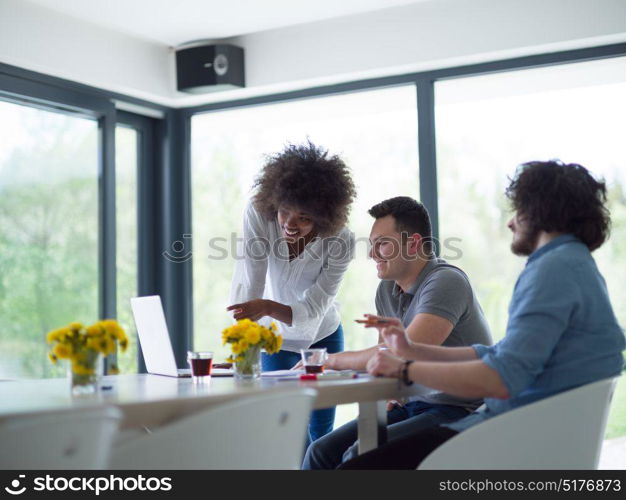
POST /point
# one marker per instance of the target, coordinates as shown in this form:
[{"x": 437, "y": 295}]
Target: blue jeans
[
  {"x": 321, "y": 421},
  {"x": 342, "y": 445}
]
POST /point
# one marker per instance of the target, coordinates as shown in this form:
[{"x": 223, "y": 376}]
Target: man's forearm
[
  {"x": 425, "y": 352},
  {"x": 469, "y": 379},
  {"x": 351, "y": 360}
]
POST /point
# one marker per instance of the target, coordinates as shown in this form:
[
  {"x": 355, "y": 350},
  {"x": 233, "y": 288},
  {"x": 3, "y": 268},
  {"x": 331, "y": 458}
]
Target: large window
[
  {"x": 48, "y": 235},
  {"x": 489, "y": 124},
  {"x": 376, "y": 134}
]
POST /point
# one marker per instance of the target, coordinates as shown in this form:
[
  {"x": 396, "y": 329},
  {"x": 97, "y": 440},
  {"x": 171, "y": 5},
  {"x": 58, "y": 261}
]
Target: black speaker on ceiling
[{"x": 207, "y": 68}]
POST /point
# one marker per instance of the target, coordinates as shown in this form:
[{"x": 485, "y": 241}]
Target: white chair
[
  {"x": 256, "y": 432},
  {"x": 78, "y": 438},
  {"x": 564, "y": 431}
]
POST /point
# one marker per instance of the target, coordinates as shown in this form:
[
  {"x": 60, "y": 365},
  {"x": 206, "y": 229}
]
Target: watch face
[{"x": 220, "y": 64}]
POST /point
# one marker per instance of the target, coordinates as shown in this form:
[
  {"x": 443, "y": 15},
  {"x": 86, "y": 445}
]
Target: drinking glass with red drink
[
  {"x": 201, "y": 363},
  {"x": 313, "y": 359}
]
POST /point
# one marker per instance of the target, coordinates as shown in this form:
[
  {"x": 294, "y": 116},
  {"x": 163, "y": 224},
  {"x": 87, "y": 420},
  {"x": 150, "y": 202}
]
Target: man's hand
[
  {"x": 253, "y": 310},
  {"x": 396, "y": 340},
  {"x": 385, "y": 364},
  {"x": 329, "y": 363},
  {"x": 393, "y": 403}
]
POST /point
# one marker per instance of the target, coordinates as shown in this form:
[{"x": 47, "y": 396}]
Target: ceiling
[{"x": 174, "y": 22}]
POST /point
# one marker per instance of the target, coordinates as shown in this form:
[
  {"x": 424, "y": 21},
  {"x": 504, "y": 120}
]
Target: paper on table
[
  {"x": 222, "y": 372},
  {"x": 282, "y": 373}
]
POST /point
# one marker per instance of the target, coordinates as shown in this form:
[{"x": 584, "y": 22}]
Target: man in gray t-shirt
[
  {"x": 441, "y": 290},
  {"x": 437, "y": 306}
]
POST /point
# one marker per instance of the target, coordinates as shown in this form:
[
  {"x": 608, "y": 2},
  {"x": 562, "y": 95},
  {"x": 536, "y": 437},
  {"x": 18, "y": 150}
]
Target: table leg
[{"x": 372, "y": 425}]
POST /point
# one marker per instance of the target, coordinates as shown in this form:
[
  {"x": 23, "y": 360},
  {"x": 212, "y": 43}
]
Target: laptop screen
[{"x": 153, "y": 335}]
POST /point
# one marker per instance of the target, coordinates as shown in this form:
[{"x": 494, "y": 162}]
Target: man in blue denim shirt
[{"x": 561, "y": 333}]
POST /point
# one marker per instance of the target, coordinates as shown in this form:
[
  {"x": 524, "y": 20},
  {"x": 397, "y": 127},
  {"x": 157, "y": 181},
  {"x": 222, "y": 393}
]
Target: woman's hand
[
  {"x": 253, "y": 309},
  {"x": 385, "y": 364}
]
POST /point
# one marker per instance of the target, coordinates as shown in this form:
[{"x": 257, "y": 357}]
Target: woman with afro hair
[{"x": 296, "y": 251}]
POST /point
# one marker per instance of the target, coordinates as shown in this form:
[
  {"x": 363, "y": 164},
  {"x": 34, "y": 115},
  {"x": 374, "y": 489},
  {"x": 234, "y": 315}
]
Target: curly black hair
[
  {"x": 556, "y": 197},
  {"x": 305, "y": 176}
]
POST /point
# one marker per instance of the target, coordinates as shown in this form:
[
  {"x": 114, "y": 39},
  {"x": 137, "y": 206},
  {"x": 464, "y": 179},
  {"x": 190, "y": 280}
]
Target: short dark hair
[
  {"x": 307, "y": 177},
  {"x": 554, "y": 196},
  {"x": 410, "y": 217}
]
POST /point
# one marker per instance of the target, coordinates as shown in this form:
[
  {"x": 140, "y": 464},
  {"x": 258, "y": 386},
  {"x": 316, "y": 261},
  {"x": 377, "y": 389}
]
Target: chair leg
[{"x": 372, "y": 425}]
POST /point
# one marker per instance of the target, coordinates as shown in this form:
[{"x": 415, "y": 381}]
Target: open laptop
[
  {"x": 154, "y": 337},
  {"x": 155, "y": 340}
]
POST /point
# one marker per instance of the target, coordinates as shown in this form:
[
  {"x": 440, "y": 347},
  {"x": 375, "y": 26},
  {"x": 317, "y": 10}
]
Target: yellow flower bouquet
[
  {"x": 83, "y": 347},
  {"x": 247, "y": 338}
]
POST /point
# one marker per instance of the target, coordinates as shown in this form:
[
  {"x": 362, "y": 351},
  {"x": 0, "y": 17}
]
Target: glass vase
[
  {"x": 85, "y": 372},
  {"x": 249, "y": 368}
]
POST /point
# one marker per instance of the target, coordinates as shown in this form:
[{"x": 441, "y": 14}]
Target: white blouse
[{"x": 308, "y": 284}]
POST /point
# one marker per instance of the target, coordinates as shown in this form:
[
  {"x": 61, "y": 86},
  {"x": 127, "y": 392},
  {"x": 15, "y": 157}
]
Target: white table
[{"x": 152, "y": 400}]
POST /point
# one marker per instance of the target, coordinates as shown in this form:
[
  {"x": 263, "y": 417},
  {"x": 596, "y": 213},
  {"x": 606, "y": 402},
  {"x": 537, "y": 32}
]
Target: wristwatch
[{"x": 405, "y": 373}]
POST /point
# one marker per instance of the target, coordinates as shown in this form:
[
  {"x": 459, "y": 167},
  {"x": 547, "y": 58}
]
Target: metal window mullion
[
  {"x": 427, "y": 152},
  {"x": 144, "y": 226},
  {"x": 106, "y": 221},
  {"x": 148, "y": 214},
  {"x": 175, "y": 275}
]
